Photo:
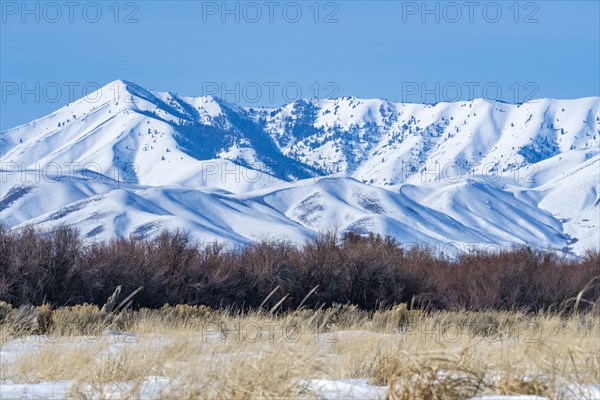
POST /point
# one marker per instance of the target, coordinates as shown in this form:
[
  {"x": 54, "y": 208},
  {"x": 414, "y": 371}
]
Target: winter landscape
[
  {"x": 476, "y": 174},
  {"x": 322, "y": 200},
  {"x": 170, "y": 197}
]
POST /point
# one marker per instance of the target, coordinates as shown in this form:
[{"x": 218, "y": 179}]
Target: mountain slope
[{"x": 127, "y": 160}]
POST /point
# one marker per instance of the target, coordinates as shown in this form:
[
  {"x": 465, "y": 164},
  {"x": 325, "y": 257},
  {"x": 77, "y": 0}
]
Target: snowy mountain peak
[{"x": 446, "y": 157}]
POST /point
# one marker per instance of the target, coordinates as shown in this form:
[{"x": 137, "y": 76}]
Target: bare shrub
[{"x": 371, "y": 272}]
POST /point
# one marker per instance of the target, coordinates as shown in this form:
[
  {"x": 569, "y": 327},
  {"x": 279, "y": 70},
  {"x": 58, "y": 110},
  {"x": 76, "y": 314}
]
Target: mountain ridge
[{"x": 513, "y": 155}]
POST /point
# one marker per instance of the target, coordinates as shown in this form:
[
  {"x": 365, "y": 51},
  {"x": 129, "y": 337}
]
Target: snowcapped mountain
[{"x": 127, "y": 160}]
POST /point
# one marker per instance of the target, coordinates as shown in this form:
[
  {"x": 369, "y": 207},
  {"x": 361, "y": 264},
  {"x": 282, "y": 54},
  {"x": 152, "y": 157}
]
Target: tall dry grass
[
  {"x": 267, "y": 319},
  {"x": 200, "y": 353}
]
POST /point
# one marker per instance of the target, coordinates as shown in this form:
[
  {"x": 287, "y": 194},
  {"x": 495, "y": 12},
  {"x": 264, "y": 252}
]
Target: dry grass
[{"x": 202, "y": 353}]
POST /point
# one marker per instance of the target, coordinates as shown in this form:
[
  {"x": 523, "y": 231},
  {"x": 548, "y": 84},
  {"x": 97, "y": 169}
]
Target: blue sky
[{"x": 399, "y": 50}]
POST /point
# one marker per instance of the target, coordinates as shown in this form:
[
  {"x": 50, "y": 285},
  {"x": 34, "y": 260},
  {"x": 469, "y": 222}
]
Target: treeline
[{"x": 56, "y": 268}]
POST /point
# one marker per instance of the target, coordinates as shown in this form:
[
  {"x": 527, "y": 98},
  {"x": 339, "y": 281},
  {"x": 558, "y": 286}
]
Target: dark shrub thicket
[{"x": 370, "y": 272}]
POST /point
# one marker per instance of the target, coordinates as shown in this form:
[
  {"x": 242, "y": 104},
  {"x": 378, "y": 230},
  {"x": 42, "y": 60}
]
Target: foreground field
[{"x": 187, "y": 352}]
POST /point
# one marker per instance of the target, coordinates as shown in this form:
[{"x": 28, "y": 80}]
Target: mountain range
[{"x": 126, "y": 160}]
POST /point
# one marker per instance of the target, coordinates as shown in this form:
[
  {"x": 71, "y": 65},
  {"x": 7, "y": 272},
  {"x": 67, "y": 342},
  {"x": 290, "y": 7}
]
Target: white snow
[
  {"x": 343, "y": 389},
  {"x": 155, "y": 387},
  {"x": 127, "y": 160}
]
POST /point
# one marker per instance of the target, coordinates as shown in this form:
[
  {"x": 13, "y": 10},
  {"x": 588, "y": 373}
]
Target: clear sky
[{"x": 269, "y": 52}]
